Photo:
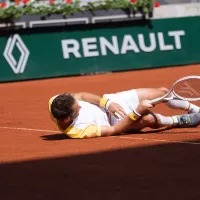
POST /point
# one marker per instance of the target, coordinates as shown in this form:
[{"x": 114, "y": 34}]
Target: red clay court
[{"x": 37, "y": 162}]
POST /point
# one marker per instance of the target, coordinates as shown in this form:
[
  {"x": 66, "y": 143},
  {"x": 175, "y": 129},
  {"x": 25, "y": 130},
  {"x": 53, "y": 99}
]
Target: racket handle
[
  {"x": 157, "y": 100},
  {"x": 161, "y": 99}
]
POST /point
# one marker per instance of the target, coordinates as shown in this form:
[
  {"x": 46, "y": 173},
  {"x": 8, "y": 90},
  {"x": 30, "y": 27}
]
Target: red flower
[
  {"x": 17, "y": 2},
  {"x": 157, "y": 4},
  {"x": 51, "y": 1},
  {"x": 133, "y": 1},
  {"x": 25, "y": 1},
  {"x": 68, "y": 1},
  {"x": 3, "y": 5}
]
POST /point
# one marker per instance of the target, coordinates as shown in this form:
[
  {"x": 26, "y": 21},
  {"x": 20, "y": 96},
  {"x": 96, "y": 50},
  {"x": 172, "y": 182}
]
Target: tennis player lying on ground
[{"x": 85, "y": 115}]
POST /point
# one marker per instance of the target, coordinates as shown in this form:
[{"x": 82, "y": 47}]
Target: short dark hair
[{"x": 61, "y": 106}]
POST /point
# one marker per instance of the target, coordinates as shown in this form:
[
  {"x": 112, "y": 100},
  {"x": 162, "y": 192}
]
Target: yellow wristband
[
  {"x": 133, "y": 116},
  {"x": 103, "y": 102}
]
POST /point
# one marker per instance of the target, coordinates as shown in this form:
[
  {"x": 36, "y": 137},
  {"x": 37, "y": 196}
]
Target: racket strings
[{"x": 188, "y": 88}]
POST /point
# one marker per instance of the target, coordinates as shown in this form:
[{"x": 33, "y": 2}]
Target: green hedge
[{"x": 24, "y": 7}]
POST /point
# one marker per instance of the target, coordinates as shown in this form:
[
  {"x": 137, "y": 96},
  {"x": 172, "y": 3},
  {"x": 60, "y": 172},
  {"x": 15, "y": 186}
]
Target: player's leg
[
  {"x": 156, "y": 121},
  {"x": 152, "y": 93},
  {"x": 186, "y": 120},
  {"x": 183, "y": 105},
  {"x": 130, "y": 99},
  {"x": 151, "y": 120},
  {"x": 148, "y": 120}
]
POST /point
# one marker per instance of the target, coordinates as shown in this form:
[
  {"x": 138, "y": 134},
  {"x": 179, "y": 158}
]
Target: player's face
[{"x": 76, "y": 107}]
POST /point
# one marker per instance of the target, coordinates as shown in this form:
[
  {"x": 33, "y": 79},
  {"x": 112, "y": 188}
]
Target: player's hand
[
  {"x": 143, "y": 107},
  {"x": 116, "y": 110}
]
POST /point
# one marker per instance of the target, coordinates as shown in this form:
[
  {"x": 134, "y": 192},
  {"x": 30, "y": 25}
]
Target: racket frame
[{"x": 161, "y": 99}]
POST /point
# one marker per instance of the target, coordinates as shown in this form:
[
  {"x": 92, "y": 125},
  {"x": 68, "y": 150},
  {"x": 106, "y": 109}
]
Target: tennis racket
[{"x": 186, "y": 88}]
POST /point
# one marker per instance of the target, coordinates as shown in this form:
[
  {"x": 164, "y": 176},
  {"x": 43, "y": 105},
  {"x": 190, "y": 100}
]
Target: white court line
[
  {"x": 28, "y": 129},
  {"x": 119, "y": 137},
  {"x": 157, "y": 140}
]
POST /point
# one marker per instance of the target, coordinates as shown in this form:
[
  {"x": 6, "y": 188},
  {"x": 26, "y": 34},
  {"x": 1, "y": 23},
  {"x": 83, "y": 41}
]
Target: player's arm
[
  {"x": 121, "y": 127},
  {"x": 89, "y": 97},
  {"x": 92, "y": 130},
  {"x": 125, "y": 124},
  {"x": 103, "y": 102}
]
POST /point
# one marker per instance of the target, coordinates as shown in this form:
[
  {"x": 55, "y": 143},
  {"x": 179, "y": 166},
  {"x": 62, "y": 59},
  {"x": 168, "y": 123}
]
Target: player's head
[{"x": 65, "y": 107}]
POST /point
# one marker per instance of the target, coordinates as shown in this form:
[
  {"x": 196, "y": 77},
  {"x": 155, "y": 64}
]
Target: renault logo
[{"x": 17, "y": 67}]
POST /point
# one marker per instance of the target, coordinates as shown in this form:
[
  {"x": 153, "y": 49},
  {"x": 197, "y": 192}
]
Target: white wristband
[
  {"x": 138, "y": 114},
  {"x": 108, "y": 103}
]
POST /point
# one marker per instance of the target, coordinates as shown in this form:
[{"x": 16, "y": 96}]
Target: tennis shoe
[{"x": 188, "y": 120}]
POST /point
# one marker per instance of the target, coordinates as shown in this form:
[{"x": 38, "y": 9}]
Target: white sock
[
  {"x": 193, "y": 109},
  {"x": 183, "y": 105},
  {"x": 165, "y": 121},
  {"x": 175, "y": 120},
  {"x": 178, "y": 104}
]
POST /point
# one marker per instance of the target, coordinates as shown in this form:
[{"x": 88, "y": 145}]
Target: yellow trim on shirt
[{"x": 89, "y": 132}]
